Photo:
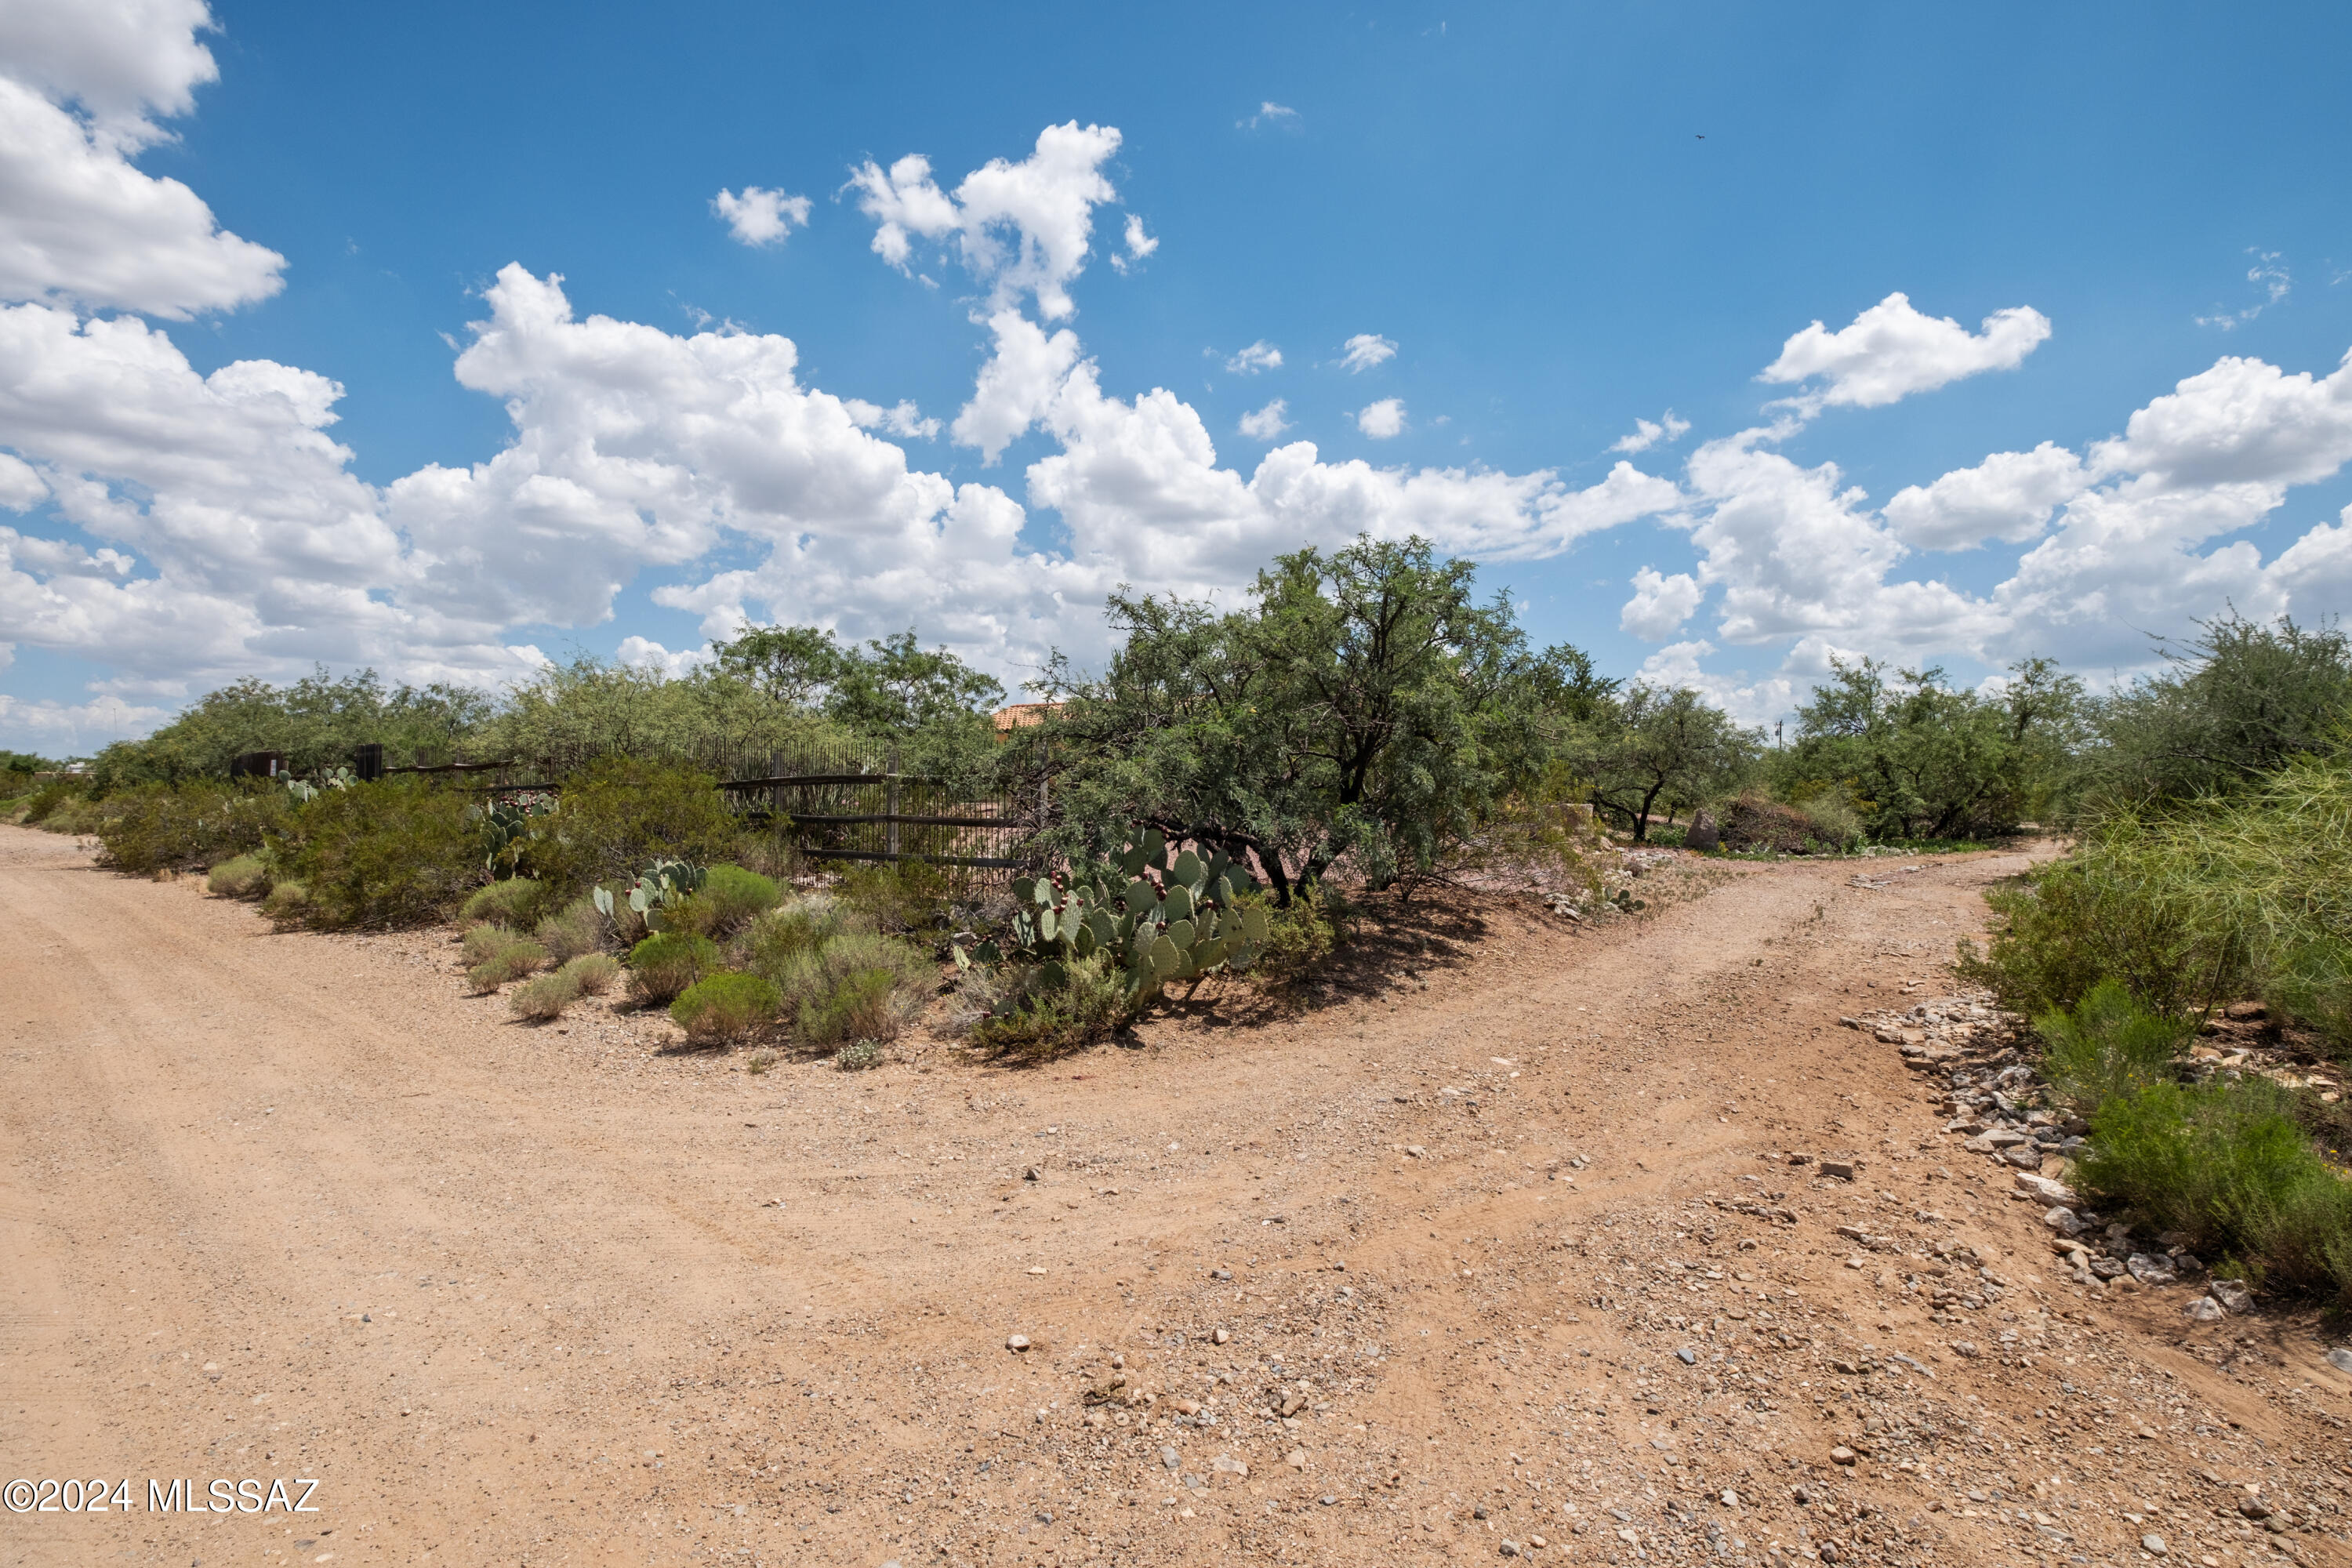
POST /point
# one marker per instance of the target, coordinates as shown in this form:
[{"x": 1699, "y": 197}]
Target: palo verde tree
[
  {"x": 1655, "y": 746},
  {"x": 1363, "y": 705}
]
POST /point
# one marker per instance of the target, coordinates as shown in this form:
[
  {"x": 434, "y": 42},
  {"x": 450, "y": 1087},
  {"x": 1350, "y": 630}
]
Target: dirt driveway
[{"x": 1505, "y": 1260}]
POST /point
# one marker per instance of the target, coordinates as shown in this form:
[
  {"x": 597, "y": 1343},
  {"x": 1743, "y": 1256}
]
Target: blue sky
[{"x": 2118, "y": 229}]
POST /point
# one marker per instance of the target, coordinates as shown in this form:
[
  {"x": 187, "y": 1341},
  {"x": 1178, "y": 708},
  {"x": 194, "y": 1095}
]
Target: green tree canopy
[
  {"x": 2242, "y": 699},
  {"x": 1656, "y": 747},
  {"x": 1363, "y": 705},
  {"x": 1921, "y": 758},
  {"x": 892, "y": 684}
]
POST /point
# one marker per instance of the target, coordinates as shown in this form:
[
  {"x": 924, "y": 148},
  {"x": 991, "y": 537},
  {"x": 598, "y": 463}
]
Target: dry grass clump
[
  {"x": 495, "y": 955},
  {"x": 239, "y": 877},
  {"x": 574, "y": 929},
  {"x": 594, "y": 972},
  {"x": 545, "y": 997}
]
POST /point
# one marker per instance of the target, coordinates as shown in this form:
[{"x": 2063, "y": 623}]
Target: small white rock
[
  {"x": 2152, "y": 1544},
  {"x": 1017, "y": 1342}
]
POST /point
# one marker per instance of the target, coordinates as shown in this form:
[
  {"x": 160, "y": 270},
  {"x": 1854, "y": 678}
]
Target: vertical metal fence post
[{"x": 891, "y": 795}]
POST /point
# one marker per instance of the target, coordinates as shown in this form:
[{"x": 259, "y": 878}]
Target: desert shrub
[
  {"x": 2108, "y": 1046},
  {"x": 723, "y": 1008},
  {"x": 894, "y": 896},
  {"x": 516, "y": 902},
  {"x": 578, "y": 927},
  {"x": 621, "y": 814},
  {"x": 398, "y": 852},
  {"x": 594, "y": 972},
  {"x": 2099, "y": 916},
  {"x": 735, "y": 895},
  {"x": 1013, "y": 1010},
  {"x": 1302, "y": 935},
  {"x": 2226, "y": 1165},
  {"x": 239, "y": 877},
  {"x": 798, "y": 926},
  {"x": 1752, "y": 822},
  {"x": 544, "y": 997},
  {"x": 667, "y": 963},
  {"x": 1834, "y": 824},
  {"x": 74, "y": 815},
  {"x": 863, "y": 1005},
  {"x": 288, "y": 902},
  {"x": 806, "y": 975},
  {"x": 48, "y": 798},
  {"x": 482, "y": 940},
  {"x": 510, "y": 959},
  {"x": 159, "y": 826},
  {"x": 858, "y": 1055}
]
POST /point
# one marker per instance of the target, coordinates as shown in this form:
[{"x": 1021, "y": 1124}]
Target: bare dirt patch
[{"x": 1506, "y": 1246}]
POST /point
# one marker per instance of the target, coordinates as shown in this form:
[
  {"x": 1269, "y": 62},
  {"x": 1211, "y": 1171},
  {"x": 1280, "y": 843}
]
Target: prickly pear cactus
[
  {"x": 661, "y": 884},
  {"x": 1160, "y": 919}
]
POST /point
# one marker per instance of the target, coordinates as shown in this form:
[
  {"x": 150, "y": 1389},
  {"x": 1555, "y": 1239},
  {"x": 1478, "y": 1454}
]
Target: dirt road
[{"x": 1511, "y": 1252}]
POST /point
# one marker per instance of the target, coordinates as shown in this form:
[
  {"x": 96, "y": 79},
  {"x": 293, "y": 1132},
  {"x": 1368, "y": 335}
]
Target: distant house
[{"x": 1021, "y": 715}]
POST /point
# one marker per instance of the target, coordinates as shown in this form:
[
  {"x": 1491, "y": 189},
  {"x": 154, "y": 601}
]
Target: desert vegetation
[{"x": 1218, "y": 802}]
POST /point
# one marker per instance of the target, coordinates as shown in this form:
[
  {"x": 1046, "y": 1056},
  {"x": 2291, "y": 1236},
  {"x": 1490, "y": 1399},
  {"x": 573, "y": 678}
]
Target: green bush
[
  {"x": 2097, "y": 916},
  {"x": 2108, "y": 1047},
  {"x": 1835, "y": 824},
  {"x": 544, "y": 997},
  {"x": 576, "y": 929},
  {"x": 515, "y": 901},
  {"x": 1301, "y": 936},
  {"x": 667, "y": 962},
  {"x": 2226, "y": 1165},
  {"x": 621, "y": 814},
  {"x": 48, "y": 798},
  {"x": 158, "y": 826},
  {"x": 593, "y": 973},
  {"x": 800, "y": 926},
  {"x": 398, "y": 852},
  {"x": 1046, "y": 1021},
  {"x": 733, "y": 896},
  {"x": 239, "y": 877},
  {"x": 806, "y": 976},
  {"x": 863, "y": 1006},
  {"x": 724, "y": 1007},
  {"x": 76, "y": 815},
  {"x": 894, "y": 896},
  {"x": 288, "y": 902}
]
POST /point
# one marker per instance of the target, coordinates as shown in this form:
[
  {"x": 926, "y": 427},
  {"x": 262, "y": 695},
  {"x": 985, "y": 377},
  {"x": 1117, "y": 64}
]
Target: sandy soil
[{"x": 281, "y": 1206}]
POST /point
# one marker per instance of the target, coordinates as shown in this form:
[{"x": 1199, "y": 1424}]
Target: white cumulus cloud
[
  {"x": 1891, "y": 351},
  {"x": 1381, "y": 420},
  {"x": 901, "y": 418},
  {"x": 1365, "y": 350},
  {"x": 2008, "y": 497},
  {"x": 1648, "y": 433},
  {"x": 1260, "y": 355},
  {"x": 1660, "y": 604},
  {"x": 760, "y": 216},
  {"x": 1265, "y": 423},
  {"x": 1270, "y": 113},
  {"x": 82, "y": 83},
  {"x": 1138, "y": 245},
  {"x": 1022, "y": 228}
]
